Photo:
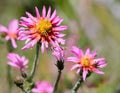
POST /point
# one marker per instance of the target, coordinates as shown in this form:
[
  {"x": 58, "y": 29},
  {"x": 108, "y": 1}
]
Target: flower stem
[
  {"x": 35, "y": 62},
  {"x": 9, "y": 77},
  {"x": 57, "y": 81},
  {"x": 77, "y": 85}
]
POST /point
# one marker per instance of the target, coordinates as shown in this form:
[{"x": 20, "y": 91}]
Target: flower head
[
  {"x": 59, "y": 54},
  {"x": 42, "y": 87},
  {"x": 86, "y": 62},
  {"x": 43, "y": 28},
  {"x": 17, "y": 61},
  {"x": 10, "y": 33}
]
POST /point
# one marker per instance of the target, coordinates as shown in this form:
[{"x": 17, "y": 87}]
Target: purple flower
[
  {"x": 43, "y": 28},
  {"x": 17, "y": 61},
  {"x": 86, "y": 62},
  {"x": 42, "y": 87},
  {"x": 11, "y": 33}
]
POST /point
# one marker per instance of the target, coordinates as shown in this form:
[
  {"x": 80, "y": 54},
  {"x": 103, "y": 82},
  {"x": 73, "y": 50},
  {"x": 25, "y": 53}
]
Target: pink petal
[
  {"x": 94, "y": 55},
  {"x": 30, "y": 16},
  {"x": 3, "y": 29},
  {"x": 77, "y": 51},
  {"x": 7, "y": 37},
  {"x": 53, "y": 15},
  {"x": 73, "y": 59},
  {"x": 12, "y": 64},
  {"x": 60, "y": 28},
  {"x": 13, "y": 43},
  {"x": 56, "y": 20},
  {"x": 98, "y": 71},
  {"x": 75, "y": 66},
  {"x": 43, "y": 11},
  {"x": 102, "y": 65},
  {"x": 87, "y": 52},
  {"x": 13, "y": 26},
  {"x": 78, "y": 71},
  {"x": 85, "y": 72},
  {"x": 59, "y": 22},
  {"x": 49, "y": 12},
  {"x": 99, "y": 59},
  {"x": 42, "y": 47},
  {"x": 37, "y": 12}
]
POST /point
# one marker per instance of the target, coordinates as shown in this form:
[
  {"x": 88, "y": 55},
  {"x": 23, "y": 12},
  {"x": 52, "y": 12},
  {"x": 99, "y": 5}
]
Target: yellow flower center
[
  {"x": 44, "y": 27},
  {"x": 85, "y": 61}
]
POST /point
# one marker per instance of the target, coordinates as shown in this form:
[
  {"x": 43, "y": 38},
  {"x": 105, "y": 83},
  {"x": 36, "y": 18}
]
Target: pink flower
[
  {"x": 17, "y": 61},
  {"x": 11, "y": 33},
  {"x": 86, "y": 62},
  {"x": 42, "y": 87},
  {"x": 43, "y": 28}
]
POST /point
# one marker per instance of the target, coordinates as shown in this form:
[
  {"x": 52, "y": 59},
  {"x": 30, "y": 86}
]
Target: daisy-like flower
[
  {"x": 86, "y": 62},
  {"x": 10, "y": 33},
  {"x": 17, "y": 61},
  {"x": 42, "y": 87},
  {"x": 43, "y": 28}
]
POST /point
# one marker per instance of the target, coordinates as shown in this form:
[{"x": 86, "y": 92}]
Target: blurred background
[{"x": 91, "y": 23}]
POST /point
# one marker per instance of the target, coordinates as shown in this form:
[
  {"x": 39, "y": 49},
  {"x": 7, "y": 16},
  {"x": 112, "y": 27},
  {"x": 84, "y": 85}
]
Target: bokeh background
[{"x": 91, "y": 23}]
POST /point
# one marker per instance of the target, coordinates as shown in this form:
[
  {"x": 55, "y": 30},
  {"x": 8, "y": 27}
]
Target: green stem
[
  {"x": 57, "y": 81},
  {"x": 9, "y": 76},
  {"x": 77, "y": 85},
  {"x": 35, "y": 62}
]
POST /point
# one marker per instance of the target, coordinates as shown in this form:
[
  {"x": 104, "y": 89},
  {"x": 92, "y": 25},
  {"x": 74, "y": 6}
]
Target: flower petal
[
  {"x": 13, "y": 43},
  {"x": 43, "y": 12},
  {"x": 37, "y": 12},
  {"x": 75, "y": 66},
  {"x": 49, "y": 12},
  {"x": 73, "y": 59},
  {"x": 77, "y": 51},
  {"x": 3, "y": 29},
  {"x": 85, "y": 72}
]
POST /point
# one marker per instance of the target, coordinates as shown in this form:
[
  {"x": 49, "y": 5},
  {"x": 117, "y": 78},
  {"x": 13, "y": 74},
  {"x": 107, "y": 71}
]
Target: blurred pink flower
[
  {"x": 86, "y": 62},
  {"x": 17, "y": 61},
  {"x": 42, "y": 87},
  {"x": 43, "y": 28},
  {"x": 11, "y": 33}
]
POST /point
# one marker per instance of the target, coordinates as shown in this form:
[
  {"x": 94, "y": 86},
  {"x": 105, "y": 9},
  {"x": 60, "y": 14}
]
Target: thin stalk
[
  {"x": 9, "y": 76},
  {"x": 77, "y": 85},
  {"x": 57, "y": 81},
  {"x": 35, "y": 62},
  {"x": 23, "y": 90}
]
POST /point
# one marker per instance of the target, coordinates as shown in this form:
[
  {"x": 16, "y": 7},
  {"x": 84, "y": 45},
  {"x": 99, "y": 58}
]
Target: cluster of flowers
[{"x": 46, "y": 29}]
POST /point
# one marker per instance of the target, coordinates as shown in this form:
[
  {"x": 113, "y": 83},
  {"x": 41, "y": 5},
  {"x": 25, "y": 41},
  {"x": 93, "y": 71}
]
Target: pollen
[
  {"x": 85, "y": 61},
  {"x": 44, "y": 27}
]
